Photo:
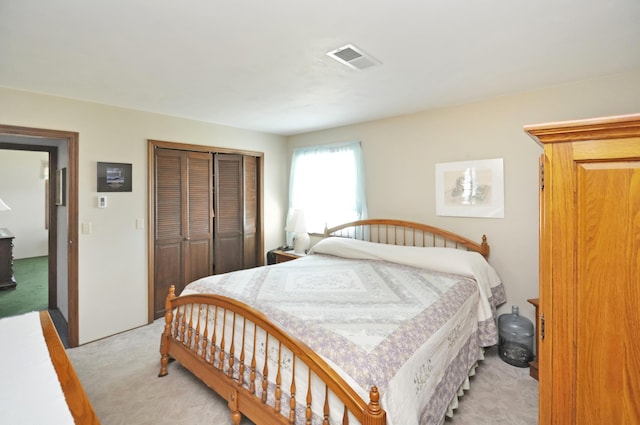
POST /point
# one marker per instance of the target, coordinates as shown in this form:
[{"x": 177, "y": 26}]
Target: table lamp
[{"x": 301, "y": 239}]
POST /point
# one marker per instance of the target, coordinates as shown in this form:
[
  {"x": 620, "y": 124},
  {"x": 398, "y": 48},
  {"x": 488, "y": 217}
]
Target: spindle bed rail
[{"x": 406, "y": 233}]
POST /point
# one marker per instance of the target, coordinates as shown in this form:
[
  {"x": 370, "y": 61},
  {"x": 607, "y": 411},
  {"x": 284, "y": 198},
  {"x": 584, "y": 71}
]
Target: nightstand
[{"x": 282, "y": 256}]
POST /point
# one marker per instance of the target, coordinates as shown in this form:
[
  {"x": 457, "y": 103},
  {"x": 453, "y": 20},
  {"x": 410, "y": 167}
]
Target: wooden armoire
[
  {"x": 205, "y": 212},
  {"x": 589, "y": 308}
]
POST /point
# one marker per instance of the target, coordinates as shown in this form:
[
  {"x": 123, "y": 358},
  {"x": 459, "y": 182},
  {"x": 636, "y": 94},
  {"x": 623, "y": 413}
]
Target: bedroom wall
[
  {"x": 113, "y": 258},
  {"x": 400, "y": 156}
]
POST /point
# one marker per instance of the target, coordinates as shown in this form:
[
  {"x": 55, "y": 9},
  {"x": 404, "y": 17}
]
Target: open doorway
[
  {"x": 24, "y": 224},
  {"x": 62, "y": 246}
]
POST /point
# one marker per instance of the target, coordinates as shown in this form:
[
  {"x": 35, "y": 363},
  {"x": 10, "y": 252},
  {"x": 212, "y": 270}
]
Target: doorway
[
  {"x": 24, "y": 188},
  {"x": 62, "y": 147}
]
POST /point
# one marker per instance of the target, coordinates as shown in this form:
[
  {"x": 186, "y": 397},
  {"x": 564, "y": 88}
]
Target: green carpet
[{"x": 32, "y": 292}]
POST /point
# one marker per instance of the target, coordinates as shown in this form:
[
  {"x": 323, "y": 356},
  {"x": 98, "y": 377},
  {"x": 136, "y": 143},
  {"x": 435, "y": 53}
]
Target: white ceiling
[{"x": 262, "y": 65}]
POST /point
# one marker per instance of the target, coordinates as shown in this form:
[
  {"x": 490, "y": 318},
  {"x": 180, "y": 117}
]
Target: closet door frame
[{"x": 152, "y": 145}]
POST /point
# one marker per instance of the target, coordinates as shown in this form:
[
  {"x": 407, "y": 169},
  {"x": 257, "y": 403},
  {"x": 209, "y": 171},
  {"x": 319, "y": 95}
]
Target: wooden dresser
[
  {"x": 6, "y": 259},
  {"x": 589, "y": 302}
]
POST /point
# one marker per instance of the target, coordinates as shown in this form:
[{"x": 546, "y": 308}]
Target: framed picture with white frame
[{"x": 470, "y": 188}]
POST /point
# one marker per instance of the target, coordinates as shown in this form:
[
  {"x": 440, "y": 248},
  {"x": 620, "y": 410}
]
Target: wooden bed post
[
  {"x": 373, "y": 414},
  {"x": 164, "y": 339},
  {"x": 236, "y": 416},
  {"x": 484, "y": 247}
]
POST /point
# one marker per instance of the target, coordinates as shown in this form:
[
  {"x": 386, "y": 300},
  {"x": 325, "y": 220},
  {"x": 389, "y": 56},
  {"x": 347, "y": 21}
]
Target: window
[{"x": 327, "y": 183}]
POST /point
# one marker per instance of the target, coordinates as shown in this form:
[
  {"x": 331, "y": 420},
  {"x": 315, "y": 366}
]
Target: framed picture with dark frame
[{"x": 114, "y": 177}]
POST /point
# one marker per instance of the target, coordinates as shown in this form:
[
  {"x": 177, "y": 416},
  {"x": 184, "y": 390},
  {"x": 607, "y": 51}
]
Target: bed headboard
[{"x": 399, "y": 232}]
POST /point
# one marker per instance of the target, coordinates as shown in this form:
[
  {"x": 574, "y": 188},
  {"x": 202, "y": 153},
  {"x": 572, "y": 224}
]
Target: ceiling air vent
[{"x": 353, "y": 57}]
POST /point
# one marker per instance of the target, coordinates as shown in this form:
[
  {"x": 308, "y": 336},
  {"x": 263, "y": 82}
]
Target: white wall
[
  {"x": 22, "y": 187},
  {"x": 400, "y": 156},
  {"x": 113, "y": 258}
]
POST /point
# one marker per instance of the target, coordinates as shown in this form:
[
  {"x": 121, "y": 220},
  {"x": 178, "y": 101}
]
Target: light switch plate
[{"x": 102, "y": 201}]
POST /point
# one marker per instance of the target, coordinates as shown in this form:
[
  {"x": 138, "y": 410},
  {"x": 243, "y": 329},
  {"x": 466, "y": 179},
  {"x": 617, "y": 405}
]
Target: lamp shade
[
  {"x": 296, "y": 223},
  {"x": 3, "y": 206}
]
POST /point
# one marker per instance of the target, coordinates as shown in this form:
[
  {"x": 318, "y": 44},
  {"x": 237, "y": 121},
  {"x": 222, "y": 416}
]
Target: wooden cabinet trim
[{"x": 595, "y": 129}]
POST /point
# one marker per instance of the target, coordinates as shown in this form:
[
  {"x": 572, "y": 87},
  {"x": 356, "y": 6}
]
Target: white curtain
[{"x": 327, "y": 183}]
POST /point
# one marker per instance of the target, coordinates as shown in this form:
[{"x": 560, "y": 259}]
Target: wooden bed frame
[
  {"x": 211, "y": 358},
  {"x": 77, "y": 400}
]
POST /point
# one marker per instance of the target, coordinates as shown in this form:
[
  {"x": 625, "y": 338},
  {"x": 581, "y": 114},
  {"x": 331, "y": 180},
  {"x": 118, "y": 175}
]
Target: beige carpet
[{"x": 120, "y": 377}]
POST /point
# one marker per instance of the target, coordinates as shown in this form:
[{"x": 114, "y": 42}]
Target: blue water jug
[{"x": 515, "y": 344}]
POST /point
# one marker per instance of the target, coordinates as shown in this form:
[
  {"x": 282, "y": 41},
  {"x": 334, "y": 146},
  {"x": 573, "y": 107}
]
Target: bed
[
  {"x": 381, "y": 324},
  {"x": 36, "y": 372}
]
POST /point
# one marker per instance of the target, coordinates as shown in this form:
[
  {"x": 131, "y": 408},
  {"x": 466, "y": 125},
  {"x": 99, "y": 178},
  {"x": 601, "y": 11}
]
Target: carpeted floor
[
  {"x": 31, "y": 293},
  {"x": 119, "y": 374}
]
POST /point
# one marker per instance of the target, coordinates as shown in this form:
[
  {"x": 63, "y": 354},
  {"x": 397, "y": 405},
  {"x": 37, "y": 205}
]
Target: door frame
[
  {"x": 72, "y": 140},
  {"x": 152, "y": 145}
]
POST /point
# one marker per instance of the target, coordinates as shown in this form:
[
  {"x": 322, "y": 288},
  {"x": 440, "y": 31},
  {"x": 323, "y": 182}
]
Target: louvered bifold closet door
[
  {"x": 184, "y": 221},
  {"x": 198, "y": 252},
  {"x": 250, "y": 199},
  {"x": 228, "y": 207},
  {"x": 170, "y": 175}
]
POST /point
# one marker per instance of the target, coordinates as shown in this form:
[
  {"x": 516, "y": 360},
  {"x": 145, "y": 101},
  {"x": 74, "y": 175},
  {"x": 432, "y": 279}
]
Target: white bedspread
[
  {"x": 445, "y": 260},
  {"x": 30, "y": 392}
]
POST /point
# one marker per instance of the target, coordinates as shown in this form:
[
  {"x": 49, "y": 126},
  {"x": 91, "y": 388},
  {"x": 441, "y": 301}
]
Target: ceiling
[{"x": 262, "y": 65}]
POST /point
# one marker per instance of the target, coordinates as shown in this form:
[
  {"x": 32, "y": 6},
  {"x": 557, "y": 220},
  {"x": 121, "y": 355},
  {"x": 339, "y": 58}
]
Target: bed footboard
[{"x": 263, "y": 373}]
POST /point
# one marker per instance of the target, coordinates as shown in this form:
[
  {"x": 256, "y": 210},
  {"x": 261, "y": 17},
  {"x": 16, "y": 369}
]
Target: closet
[
  {"x": 589, "y": 306},
  {"x": 205, "y": 213}
]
